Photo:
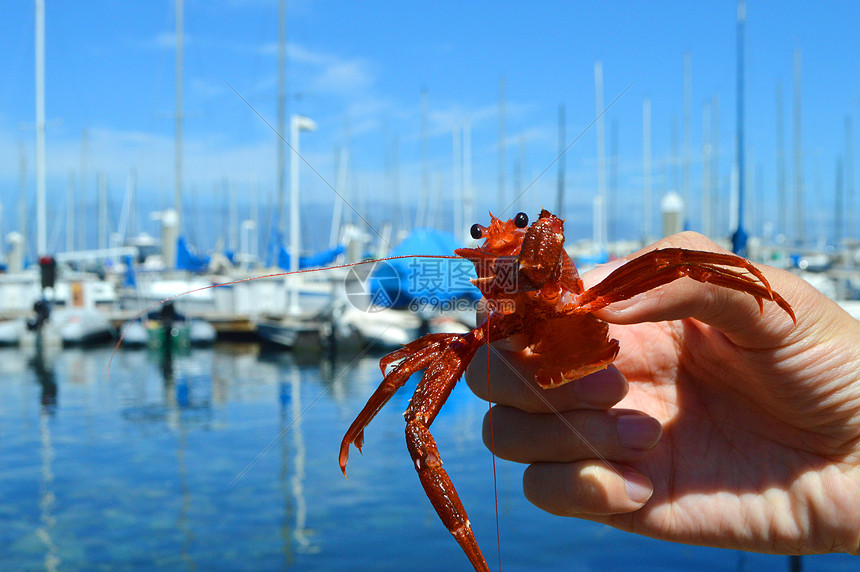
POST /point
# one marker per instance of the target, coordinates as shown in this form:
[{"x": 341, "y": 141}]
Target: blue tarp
[
  {"x": 187, "y": 260},
  {"x": 320, "y": 258},
  {"x": 130, "y": 279},
  {"x": 425, "y": 281}
]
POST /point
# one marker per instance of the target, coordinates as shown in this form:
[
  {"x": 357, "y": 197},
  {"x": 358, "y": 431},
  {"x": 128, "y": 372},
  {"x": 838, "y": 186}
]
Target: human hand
[{"x": 760, "y": 445}]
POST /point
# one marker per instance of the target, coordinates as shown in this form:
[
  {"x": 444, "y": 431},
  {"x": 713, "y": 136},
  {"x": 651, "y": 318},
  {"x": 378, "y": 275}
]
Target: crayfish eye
[
  {"x": 475, "y": 231},
  {"x": 521, "y": 220}
]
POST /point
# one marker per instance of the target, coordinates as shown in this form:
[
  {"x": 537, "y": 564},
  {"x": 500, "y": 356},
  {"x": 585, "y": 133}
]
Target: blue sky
[{"x": 358, "y": 70}]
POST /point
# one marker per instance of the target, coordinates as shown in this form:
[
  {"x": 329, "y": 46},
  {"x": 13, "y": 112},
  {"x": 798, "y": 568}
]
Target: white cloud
[
  {"x": 166, "y": 41},
  {"x": 204, "y": 88},
  {"x": 344, "y": 77},
  {"x": 324, "y": 73},
  {"x": 303, "y": 55},
  {"x": 298, "y": 54}
]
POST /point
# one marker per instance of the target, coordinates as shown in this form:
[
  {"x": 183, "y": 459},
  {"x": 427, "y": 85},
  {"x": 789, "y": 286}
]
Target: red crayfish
[{"x": 533, "y": 289}]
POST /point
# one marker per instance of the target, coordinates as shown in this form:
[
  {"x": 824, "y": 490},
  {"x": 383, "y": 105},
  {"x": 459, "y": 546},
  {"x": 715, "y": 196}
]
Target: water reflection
[
  {"x": 292, "y": 485},
  {"x": 47, "y": 498},
  {"x": 179, "y": 395},
  {"x": 186, "y": 403},
  {"x": 44, "y": 370},
  {"x": 136, "y": 471}
]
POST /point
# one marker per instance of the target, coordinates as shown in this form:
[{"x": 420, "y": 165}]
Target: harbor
[
  {"x": 216, "y": 221},
  {"x": 224, "y": 267}
]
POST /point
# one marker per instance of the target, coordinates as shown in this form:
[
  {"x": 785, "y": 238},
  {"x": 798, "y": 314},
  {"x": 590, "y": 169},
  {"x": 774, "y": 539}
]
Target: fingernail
[
  {"x": 638, "y": 431},
  {"x": 639, "y": 488}
]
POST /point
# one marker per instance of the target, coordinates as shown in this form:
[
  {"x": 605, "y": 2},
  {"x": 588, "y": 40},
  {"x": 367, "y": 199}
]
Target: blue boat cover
[
  {"x": 188, "y": 260},
  {"x": 130, "y": 278},
  {"x": 423, "y": 281},
  {"x": 320, "y": 258}
]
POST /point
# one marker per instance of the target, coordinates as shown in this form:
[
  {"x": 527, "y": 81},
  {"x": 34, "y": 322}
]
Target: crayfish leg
[
  {"x": 441, "y": 492},
  {"x": 412, "y": 348},
  {"x": 659, "y": 267},
  {"x": 433, "y": 390},
  {"x": 389, "y": 386},
  {"x": 444, "y": 358}
]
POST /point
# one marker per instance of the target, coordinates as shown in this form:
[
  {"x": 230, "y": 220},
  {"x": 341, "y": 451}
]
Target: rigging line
[
  {"x": 493, "y": 444},
  {"x": 250, "y": 279},
  {"x": 317, "y": 173},
  {"x": 558, "y": 414},
  {"x": 560, "y": 155},
  {"x": 305, "y": 410}
]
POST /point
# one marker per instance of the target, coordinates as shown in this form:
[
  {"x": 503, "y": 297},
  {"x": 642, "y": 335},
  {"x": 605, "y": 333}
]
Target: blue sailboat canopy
[
  {"x": 423, "y": 281},
  {"x": 320, "y": 258},
  {"x": 130, "y": 276},
  {"x": 188, "y": 260}
]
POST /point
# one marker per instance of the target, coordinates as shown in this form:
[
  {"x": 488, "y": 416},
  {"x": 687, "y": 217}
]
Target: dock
[{"x": 225, "y": 324}]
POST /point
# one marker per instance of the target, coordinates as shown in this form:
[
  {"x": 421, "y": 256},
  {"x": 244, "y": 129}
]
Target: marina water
[{"x": 226, "y": 459}]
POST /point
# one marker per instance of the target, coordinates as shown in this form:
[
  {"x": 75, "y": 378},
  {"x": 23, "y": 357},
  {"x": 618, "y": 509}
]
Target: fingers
[
  {"x": 585, "y": 488},
  {"x": 513, "y": 373},
  {"x": 733, "y": 312},
  {"x": 615, "y": 435}
]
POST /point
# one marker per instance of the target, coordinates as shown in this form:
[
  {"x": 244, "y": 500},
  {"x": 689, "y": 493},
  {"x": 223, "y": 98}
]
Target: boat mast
[
  {"x": 22, "y": 197},
  {"x": 685, "y": 169},
  {"x": 421, "y": 213},
  {"x": 457, "y": 181},
  {"x": 717, "y": 203},
  {"x": 468, "y": 195},
  {"x": 341, "y": 180},
  {"x": 41, "y": 231},
  {"x": 282, "y": 121},
  {"x": 739, "y": 237},
  {"x": 501, "y": 183},
  {"x": 102, "y": 198},
  {"x": 298, "y": 124},
  {"x": 706, "y": 169},
  {"x": 849, "y": 176},
  {"x": 798, "y": 153},
  {"x": 562, "y": 143},
  {"x": 177, "y": 195},
  {"x": 780, "y": 164},
  {"x": 600, "y": 199}
]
